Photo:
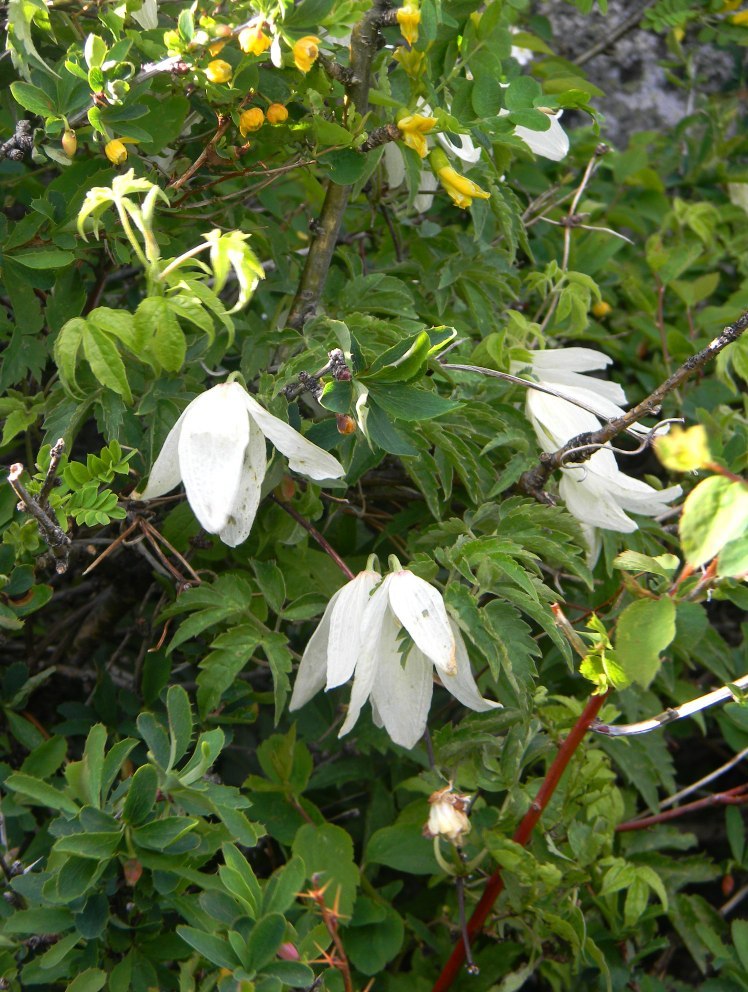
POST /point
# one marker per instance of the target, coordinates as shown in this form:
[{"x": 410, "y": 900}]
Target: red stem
[
  {"x": 521, "y": 836},
  {"x": 311, "y": 529},
  {"x": 732, "y": 797}
]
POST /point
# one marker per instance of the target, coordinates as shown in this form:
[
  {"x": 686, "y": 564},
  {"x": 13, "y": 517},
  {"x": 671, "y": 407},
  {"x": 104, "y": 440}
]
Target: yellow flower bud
[
  {"x": 601, "y": 309},
  {"x": 305, "y": 52},
  {"x": 253, "y": 40},
  {"x": 70, "y": 143},
  {"x": 277, "y": 114},
  {"x": 409, "y": 17},
  {"x": 218, "y": 71},
  {"x": 216, "y": 47},
  {"x": 115, "y": 151},
  {"x": 414, "y": 128},
  {"x": 462, "y": 190},
  {"x": 251, "y": 120},
  {"x": 412, "y": 61}
]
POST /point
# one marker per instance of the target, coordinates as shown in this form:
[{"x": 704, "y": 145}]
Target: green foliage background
[{"x": 162, "y": 814}]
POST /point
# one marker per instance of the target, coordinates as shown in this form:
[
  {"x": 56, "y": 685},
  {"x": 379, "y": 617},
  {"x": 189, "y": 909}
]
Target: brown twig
[
  {"x": 224, "y": 122},
  {"x": 55, "y": 536},
  {"x": 380, "y": 136},
  {"x": 363, "y": 49},
  {"x": 312, "y": 530},
  {"x": 533, "y": 481},
  {"x": 521, "y": 836},
  {"x": 732, "y": 797},
  {"x": 55, "y": 454}
]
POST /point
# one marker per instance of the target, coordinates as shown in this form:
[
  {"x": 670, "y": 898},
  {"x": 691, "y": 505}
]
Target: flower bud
[
  {"x": 115, "y": 151},
  {"x": 448, "y": 816},
  {"x": 251, "y": 120},
  {"x": 218, "y": 71},
  {"x": 288, "y": 952},
  {"x": 253, "y": 40},
  {"x": 305, "y": 52},
  {"x": 216, "y": 47},
  {"x": 277, "y": 114},
  {"x": 601, "y": 309},
  {"x": 69, "y": 142},
  {"x": 132, "y": 870},
  {"x": 346, "y": 424}
]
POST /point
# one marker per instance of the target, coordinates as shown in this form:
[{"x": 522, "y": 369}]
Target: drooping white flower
[
  {"x": 552, "y": 144},
  {"x": 217, "y": 448},
  {"x": 362, "y": 635},
  {"x": 596, "y": 491},
  {"x": 448, "y": 816}
]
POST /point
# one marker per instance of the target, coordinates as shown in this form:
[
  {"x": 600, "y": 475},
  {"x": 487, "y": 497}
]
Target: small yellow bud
[
  {"x": 251, "y": 120},
  {"x": 601, "y": 309},
  {"x": 115, "y": 151},
  {"x": 216, "y": 47},
  {"x": 277, "y": 114},
  {"x": 222, "y": 30},
  {"x": 409, "y": 17},
  {"x": 254, "y": 41},
  {"x": 70, "y": 142},
  {"x": 305, "y": 52},
  {"x": 218, "y": 71}
]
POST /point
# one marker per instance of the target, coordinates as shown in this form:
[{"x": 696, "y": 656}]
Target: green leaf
[
  {"x": 40, "y": 793},
  {"x": 228, "y": 655},
  {"x": 59, "y": 951},
  {"x": 90, "y": 980},
  {"x": 141, "y": 796},
  {"x": 157, "y": 330},
  {"x": 521, "y": 93},
  {"x": 283, "y": 886},
  {"x": 159, "y": 834},
  {"x": 402, "y": 362},
  {"x": 180, "y": 722},
  {"x": 240, "y": 880},
  {"x": 404, "y": 848},
  {"x": 32, "y": 98},
  {"x": 105, "y": 362},
  {"x": 215, "y": 949},
  {"x": 410, "y": 403},
  {"x": 327, "y": 851},
  {"x": 264, "y": 940},
  {"x": 99, "y": 845},
  {"x": 40, "y": 921},
  {"x": 345, "y": 167},
  {"x": 156, "y": 738},
  {"x": 714, "y": 514},
  {"x": 44, "y": 258},
  {"x": 644, "y": 629}
]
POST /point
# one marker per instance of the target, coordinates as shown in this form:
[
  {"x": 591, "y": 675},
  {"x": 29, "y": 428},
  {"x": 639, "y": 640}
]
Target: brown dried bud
[
  {"x": 448, "y": 816},
  {"x": 346, "y": 424},
  {"x": 132, "y": 870},
  {"x": 286, "y": 489}
]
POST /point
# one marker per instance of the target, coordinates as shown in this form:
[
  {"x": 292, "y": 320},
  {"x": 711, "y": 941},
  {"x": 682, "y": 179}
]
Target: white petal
[
  {"x": 147, "y": 16},
  {"x": 394, "y": 165},
  {"x": 466, "y": 149},
  {"x": 591, "y": 501},
  {"x": 310, "y": 677},
  {"x": 609, "y": 396},
  {"x": 425, "y": 196},
  {"x": 303, "y": 456},
  {"x": 215, "y": 434},
  {"x": 552, "y": 144},
  {"x": 558, "y": 419},
  {"x": 462, "y": 684},
  {"x": 567, "y": 360},
  {"x": 420, "y": 609},
  {"x": 165, "y": 474},
  {"x": 247, "y": 499},
  {"x": 366, "y": 667},
  {"x": 402, "y": 693},
  {"x": 346, "y": 623},
  {"x": 276, "y": 54}
]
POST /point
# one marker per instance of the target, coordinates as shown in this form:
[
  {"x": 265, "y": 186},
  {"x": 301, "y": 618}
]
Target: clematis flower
[
  {"x": 414, "y": 129},
  {"x": 596, "y": 491},
  {"x": 361, "y": 635},
  {"x": 448, "y": 816},
  {"x": 305, "y": 52},
  {"x": 462, "y": 190},
  {"x": 409, "y": 18},
  {"x": 217, "y": 448}
]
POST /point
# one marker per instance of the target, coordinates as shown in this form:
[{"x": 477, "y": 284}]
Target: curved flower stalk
[
  {"x": 596, "y": 492},
  {"x": 361, "y": 636},
  {"x": 217, "y": 448}
]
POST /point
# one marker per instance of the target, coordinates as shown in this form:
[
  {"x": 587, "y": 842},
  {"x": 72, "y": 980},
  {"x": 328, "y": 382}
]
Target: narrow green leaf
[
  {"x": 105, "y": 362},
  {"x": 141, "y": 796},
  {"x": 40, "y": 793}
]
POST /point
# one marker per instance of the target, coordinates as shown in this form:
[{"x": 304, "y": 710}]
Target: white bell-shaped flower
[
  {"x": 596, "y": 491},
  {"x": 362, "y": 635},
  {"x": 217, "y": 449}
]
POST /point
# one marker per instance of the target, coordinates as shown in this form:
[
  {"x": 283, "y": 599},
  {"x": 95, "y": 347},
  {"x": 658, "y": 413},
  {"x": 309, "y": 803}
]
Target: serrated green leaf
[
  {"x": 105, "y": 362},
  {"x": 644, "y": 629}
]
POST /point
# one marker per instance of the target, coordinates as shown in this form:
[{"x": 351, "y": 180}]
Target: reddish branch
[
  {"x": 521, "y": 836},
  {"x": 732, "y": 797},
  {"x": 311, "y": 529}
]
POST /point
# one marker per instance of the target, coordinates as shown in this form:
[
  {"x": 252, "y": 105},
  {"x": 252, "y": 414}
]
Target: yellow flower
[
  {"x": 116, "y": 151},
  {"x": 251, "y": 120},
  {"x": 218, "y": 71},
  {"x": 740, "y": 18},
  {"x": 414, "y": 129},
  {"x": 462, "y": 190},
  {"x": 216, "y": 47},
  {"x": 409, "y": 17},
  {"x": 305, "y": 52},
  {"x": 253, "y": 40},
  {"x": 277, "y": 114}
]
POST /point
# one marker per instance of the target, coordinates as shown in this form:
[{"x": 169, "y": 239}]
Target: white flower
[
  {"x": 596, "y": 492},
  {"x": 521, "y": 55},
  {"x": 448, "y": 816},
  {"x": 217, "y": 448},
  {"x": 361, "y": 635},
  {"x": 552, "y": 144}
]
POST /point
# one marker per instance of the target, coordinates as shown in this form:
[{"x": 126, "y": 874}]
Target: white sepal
[
  {"x": 344, "y": 645},
  {"x": 247, "y": 499},
  {"x": 165, "y": 474},
  {"x": 420, "y": 609},
  {"x": 303, "y": 456}
]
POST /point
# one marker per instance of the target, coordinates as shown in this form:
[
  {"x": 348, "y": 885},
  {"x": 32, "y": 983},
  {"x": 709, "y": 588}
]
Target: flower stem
[
  {"x": 311, "y": 529},
  {"x": 521, "y": 836}
]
